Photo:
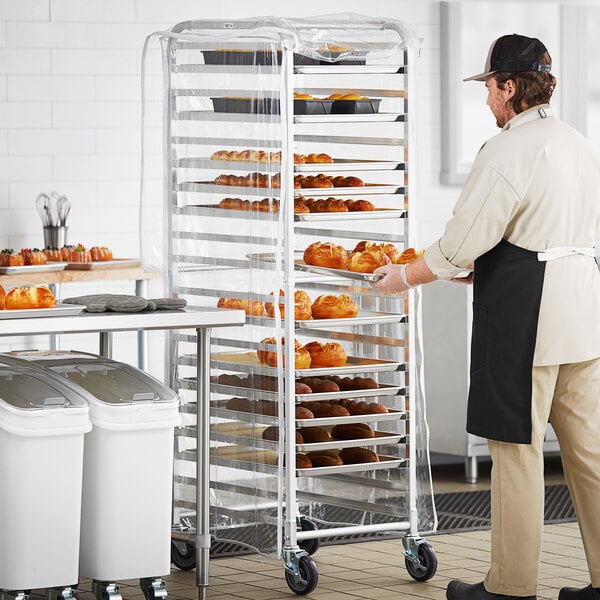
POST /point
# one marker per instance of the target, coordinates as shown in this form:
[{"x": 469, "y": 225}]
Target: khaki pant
[{"x": 568, "y": 396}]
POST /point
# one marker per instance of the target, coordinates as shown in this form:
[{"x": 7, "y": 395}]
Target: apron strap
[{"x": 562, "y": 251}]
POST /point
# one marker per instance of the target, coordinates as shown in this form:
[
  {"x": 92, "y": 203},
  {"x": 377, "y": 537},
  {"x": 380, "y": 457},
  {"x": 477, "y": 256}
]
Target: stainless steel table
[{"x": 202, "y": 320}]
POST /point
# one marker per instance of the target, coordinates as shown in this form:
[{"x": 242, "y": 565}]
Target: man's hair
[{"x": 532, "y": 87}]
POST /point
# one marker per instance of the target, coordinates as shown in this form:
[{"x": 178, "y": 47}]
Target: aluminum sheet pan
[
  {"x": 208, "y": 187},
  {"x": 117, "y": 263},
  {"x": 230, "y": 390},
  {"x": 47, "y": 268},
  {"x": 364, "y": 317},
  {"x": 367, "y": 189},
  {"x": 300, "y": 265},
  {"x": 351, "y": 69},
  {"x": 338, "y": 164},
  {"x": 362, "y": 215},
  {"x": 385, "y": 462},
  {"x": 60, "y": 310},
  {"x": 229, "y": 361},
  {"x": 350, "y": 118}
]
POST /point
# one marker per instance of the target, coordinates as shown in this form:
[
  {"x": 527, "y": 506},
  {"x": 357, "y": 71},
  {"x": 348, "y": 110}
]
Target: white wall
[{"x": 70, "y": 108}]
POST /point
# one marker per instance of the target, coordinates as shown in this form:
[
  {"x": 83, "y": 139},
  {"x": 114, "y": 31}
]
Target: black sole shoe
[
  {"x": 586, "y": 593},
  {"x": 458, "y": 590}
]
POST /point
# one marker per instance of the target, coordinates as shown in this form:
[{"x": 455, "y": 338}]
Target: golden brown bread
[
  {"x": 326, "y": 254},
  {"x": 409, "y": 255},
  {"x": 302, "y": 388},
  {"x": 250, "y": 307},
  {"x": 367, "y": 261},
  {"x": 302, "y": 461},
  {"x": 234, "y": 204},
  {"x": 2, "y": 296},
  {"x": 330, "y": 354},
  {"x": 29, "y": 297},
  {"x": 359, "y": 205},
  {"x": 351, "y": 456},
  {"x": 302, "y": 306},
  {"x": 389, "y": 249},
  {"x": 352, "y": 431},
  {"x": 331, "y": 306},
  {"x": 312, "y": 435},
  {"x": 328, "y": 205},
  {"x": 302, "y": 358}
]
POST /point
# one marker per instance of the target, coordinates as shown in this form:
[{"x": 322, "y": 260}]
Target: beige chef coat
[{"x": 537, "y": 185}]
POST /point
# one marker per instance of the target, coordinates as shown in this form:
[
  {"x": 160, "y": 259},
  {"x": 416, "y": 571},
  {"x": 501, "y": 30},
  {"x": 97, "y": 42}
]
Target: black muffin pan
[
  {"x": 351, "y": 107},
  {"x": 270, "y": 106}
]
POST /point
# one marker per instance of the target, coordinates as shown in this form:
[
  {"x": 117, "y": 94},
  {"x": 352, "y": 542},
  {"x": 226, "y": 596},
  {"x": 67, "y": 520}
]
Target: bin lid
[
  {"x": 25, "y": 388},
  {"x": 109, "y": 381}
]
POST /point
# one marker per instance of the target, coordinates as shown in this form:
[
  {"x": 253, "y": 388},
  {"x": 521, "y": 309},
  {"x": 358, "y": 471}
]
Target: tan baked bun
[
  {"x": 251, "y": 308},
  {"x": 302, "y": 358},
  {"x": 302, "y": 306},
  {"x": 330, "y": 354},
  {"x": 367, "y": 261},
  {"x": 389, "y": 249},
  {"x": 29, "y": 297},
  {"x": 359, "y": 205},
  {"x": 326, "y": 254},
  {"x": 409, "y": 255},
  {"x": 2, "y": 296},
  {"x": 330, "y": 306}
]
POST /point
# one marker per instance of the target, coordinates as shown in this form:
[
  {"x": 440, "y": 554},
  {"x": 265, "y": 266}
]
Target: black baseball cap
[{"x": 514, "y": 54}]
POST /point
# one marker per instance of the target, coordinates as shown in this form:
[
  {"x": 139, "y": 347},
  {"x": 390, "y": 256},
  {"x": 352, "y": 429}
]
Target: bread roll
[
  {"x": 326, "y": 254},
  {"x": 313, "y": 435},
  {"x": 302, "y": 461},
  {"x": 409, "y": 255},
  {"x": 302, "y": 306},
  {"x": 367, "y": 261},
  {"x": 324, "y": 458},
  {"x": 352, "y": 431},
  {"x": 359, "y": 205},
  {"x": 272, "y": 433},
  {"x": 329, "y": 205},
  {"x": 326, "y": 409},
  {"x": 330, "y": 354},
  {"x": 250, "y": 307},
  {"x": 318, "y": 158},
  {"x": 300, "y": 207},
  {"x": 234, "y": 204},
  {"x": 330, "y": 306},
  {"x": 320, "y": 385},
  {"x": 29, "y": 297},
  {"x": 240, "y": 404},
  {"x": 351, "y": 456},
  {"x": 302, "y": 358},
  {"x": 302, "y": 388},
  {"x": 266, "y": 407},
  {"x": 304, "y": 413},
  {"x": 228, "y": 379},
  {"x": 356, "y": 383}
]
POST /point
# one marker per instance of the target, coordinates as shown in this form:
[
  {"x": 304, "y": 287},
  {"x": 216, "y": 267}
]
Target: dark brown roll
[
  {"x": 302, "y": 461},
  {"x": 239, "y": 404},
  {"x": 314, "y": 435},
  {"x": 326, "y": 409},
  {"x": 352, "y": 456},
  {"x": 325, "y": 458},
  {"x": 352, "y": 431},
  {"x": 304, "y": 413}
]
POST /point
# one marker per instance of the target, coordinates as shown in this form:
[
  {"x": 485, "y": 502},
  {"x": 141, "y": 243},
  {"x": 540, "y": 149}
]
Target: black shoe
[
  {"x": 457, "y": 590},
  {"x": 586, "y": 593}
]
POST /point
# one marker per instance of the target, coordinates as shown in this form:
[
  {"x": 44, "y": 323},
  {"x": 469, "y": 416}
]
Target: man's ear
[{"x": 510, "y": 87}]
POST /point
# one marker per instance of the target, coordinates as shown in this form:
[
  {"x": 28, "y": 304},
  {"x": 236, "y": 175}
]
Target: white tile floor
[{"x": 375, "y": 570}]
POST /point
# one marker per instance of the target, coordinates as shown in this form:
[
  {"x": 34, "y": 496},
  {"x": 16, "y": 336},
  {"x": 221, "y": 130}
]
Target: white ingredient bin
[
  {"x": 128, "y": 466},
  {"x": 43, "y": 419}
]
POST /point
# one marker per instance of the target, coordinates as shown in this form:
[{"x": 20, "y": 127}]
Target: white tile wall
[{"x": 70, "y": 109}]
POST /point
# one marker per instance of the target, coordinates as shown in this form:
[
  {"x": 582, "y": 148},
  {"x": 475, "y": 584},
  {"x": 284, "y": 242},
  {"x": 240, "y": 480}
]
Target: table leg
[
  {"x": 141, "y": 289},
  {"x": 106, "y": 344},
  {"x": 202, "y": 460},
  {"x": 54, "y": 339}
]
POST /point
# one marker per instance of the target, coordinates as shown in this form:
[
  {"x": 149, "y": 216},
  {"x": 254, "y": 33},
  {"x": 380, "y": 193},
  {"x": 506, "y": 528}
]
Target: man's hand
[{"x": 394, "y": 280}]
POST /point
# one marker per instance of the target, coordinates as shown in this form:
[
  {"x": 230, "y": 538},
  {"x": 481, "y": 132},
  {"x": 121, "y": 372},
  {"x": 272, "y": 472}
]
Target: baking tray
[
  {"x": 270, "y": 106},
  {"x": 351, "y": 118},
  {"x": 380, "y": 438},
  {"x": 379, "y": 213},
  {"x": 232, "y": 361},
  {"x": 208, "y": 187},
  {"x": 368, "y": 188},
  {"x": 341, "y": 164},
  {"x": 364, "y": 317},
  {"x": 300, "y": 265},
  {"x": 117, "y": 263},
  {"x": 60, "y": 310},
  {"x": 47, "y": 268},
  {"x": 385, "y": 462},
  {"x": 265, "y": 57}
]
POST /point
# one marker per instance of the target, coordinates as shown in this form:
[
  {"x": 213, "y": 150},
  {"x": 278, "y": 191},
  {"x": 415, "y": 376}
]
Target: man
[{"x": 528, "y": 218}]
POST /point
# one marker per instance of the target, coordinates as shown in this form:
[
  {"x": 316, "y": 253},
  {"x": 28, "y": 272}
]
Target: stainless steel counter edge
[{"x": 110, "y": 321}]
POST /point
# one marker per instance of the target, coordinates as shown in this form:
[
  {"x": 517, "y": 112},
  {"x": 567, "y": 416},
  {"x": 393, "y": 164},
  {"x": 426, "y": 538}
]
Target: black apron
[{"x": 507, "y": 291}]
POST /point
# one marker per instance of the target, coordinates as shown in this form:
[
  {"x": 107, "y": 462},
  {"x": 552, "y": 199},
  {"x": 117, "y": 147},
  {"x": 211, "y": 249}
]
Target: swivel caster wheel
[
  {"x": 424, "y": 566},
  {"x": 183, "y": 555},
  {"x": 305, "y": 579},
  {"x": 153, "y": 588}
]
